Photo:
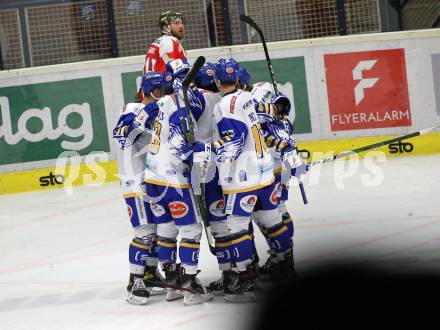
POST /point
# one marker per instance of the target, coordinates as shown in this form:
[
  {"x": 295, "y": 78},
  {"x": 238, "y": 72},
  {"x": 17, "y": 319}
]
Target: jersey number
[
  {"x": 260, "y": 145},
  {"x": 155, "y": 141}
]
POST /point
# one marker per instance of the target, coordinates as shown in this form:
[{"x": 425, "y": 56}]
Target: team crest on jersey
[
  {"x": 229, "y": 69},
  {"x": 276, "y": 193},
  {"x": 210, "y": 72},
  {"x": 158, "y": 210},
  {"x": 178, "y": 209},
  {"x": 130, "y": 211},
  {"x": 217, "y": 208},
  {"x": 247, "y": 203}
]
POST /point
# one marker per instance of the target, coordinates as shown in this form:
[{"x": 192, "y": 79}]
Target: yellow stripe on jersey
[
  {"x": 167, "y": 184},
  {"x": 236, "y": 191},
  {"x": 134, "y": 194}
]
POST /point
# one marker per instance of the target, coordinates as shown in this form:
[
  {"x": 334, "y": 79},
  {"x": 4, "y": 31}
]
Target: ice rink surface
[{"x": 63, "y": 259}]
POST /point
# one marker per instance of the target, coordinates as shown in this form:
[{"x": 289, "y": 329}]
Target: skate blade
[
  {"x": 134, "y": 300},
  {"x": 240, "y": 297},
  {"x": 156, "y": 291},
  {"x": 174, "y": 295},
  {"x": 195, "y": 299}
]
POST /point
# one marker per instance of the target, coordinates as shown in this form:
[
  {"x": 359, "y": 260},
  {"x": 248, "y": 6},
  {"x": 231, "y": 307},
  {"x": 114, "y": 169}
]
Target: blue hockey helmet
[
  {"x": 150, "y": 81},
  {"x": 283, "y": 103},
  {"x": 226, "y": 70},
  {"x": 178, "y": 68},
  {"x": 205, "y": 76},
  {"x": 244, "y": 77}
]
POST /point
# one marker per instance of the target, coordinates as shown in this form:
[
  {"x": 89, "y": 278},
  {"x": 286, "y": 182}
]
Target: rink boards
[
  {"x": 347, "y": 92},
  {"x": 95, "y": 174}
]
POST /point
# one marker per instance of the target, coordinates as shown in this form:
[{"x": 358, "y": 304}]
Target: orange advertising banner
[{"x": 367, "y": 90}]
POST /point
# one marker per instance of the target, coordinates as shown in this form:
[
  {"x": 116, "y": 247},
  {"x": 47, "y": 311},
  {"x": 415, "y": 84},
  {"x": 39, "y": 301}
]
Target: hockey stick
[
  {"x": 251, "y": 22},
  {"x": 374, "y": 145},
  {"x": 190, "y": 139}
]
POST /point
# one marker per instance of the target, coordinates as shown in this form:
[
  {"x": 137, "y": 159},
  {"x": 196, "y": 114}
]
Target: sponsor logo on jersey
[
  {"x": 367, "y": 89},
  {"x": 276, "y": 193},
  {"x": 247, "y": 203},
  {"x": 158, "y": 210},
  {"x": 130, "y": 211},
  {"x": 217, "y": 208},
  {"x": 178, "y": 209}
]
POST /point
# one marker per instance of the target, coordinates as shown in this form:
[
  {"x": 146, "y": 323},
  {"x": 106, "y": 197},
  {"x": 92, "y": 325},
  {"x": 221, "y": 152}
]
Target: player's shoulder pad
[{"x": 131, "y": 108}]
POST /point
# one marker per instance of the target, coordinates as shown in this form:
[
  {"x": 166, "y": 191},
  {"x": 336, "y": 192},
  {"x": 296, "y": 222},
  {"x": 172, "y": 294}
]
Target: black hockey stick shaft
[
  {"x": 190, "y": 139},
  {"x": 375, "y": 145},
  {"x": 251, "y": 22}
]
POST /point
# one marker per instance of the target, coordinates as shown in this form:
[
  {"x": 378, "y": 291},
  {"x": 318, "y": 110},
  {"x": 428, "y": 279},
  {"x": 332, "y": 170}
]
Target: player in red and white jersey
[{"x": 167, "y": 47}]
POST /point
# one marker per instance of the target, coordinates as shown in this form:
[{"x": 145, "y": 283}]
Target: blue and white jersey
[
  {"x": 277, "y": 131},
  {"x": 166, "y": 150},
  {"x": 242, "y": 155},
  {"x": 205, "y": 123},
  {"x": 131, "y": 156}
]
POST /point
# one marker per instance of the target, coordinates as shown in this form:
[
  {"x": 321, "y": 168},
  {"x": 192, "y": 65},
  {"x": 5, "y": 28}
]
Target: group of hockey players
[{"x": 242, "y": 153}]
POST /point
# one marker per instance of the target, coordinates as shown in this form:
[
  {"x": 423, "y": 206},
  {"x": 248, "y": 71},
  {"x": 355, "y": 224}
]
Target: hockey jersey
[
  {"x": 161, "y": 51},
  {"x": 131, "y": 157},
  {"x": 277, "y": 131},
  {"x": 242, "y": 156},
  {"x": 166, "y": 150}
]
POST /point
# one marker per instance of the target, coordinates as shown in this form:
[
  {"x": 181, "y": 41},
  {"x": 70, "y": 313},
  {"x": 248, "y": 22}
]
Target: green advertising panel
[
  {"x": 290, "y": 74},
  {"x": 39, "y": 121},
  {"x": 291, "y": 78},
  {"x": 129, "y": 85}
]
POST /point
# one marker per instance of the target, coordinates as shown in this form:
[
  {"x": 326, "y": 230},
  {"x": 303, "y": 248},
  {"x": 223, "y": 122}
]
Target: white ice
[{"x": 63, "y": 259}]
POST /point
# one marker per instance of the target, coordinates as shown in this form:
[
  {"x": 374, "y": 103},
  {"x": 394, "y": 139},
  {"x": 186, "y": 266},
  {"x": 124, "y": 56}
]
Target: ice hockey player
[
  {"x": 145, "y": 280},
  {"x": 167, "y": 177},
  {"x": 167, "y": 47},
  {"x": 273, "y": 111},
  {"x": 245, "y": 168}
]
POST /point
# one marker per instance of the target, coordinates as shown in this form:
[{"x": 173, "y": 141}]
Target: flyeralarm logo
[{"x": 367, "y": 90}]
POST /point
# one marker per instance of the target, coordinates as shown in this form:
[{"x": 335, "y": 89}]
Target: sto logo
[
  {"x": 217, "y": 208},
  {"x": 247, "y": 203},
  {"x": 178, "y": 209}
]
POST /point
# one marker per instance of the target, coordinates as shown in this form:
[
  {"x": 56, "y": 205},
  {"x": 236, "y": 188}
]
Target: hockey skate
[
  {"x": 172, "y": 281},
  {"x": 278, "y": 270},
  {"x": 154, "y": 281},
  {"x": 137, "y": 292},
  {"x": 216, "y": 287},
  {"x": 240, "y": 286},
  {"x": 193, "y": 291}
]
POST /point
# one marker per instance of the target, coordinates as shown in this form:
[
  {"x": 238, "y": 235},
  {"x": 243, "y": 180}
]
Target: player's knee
[
  {"x": 219, "y": 229},
  {"x": 145, "y": 233},
  {"x": 237, "y": 224},
  {"x": 190, "y": 232},
  {"x": 268, "y": 218},
  {"x": 168, "y": 230}
]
